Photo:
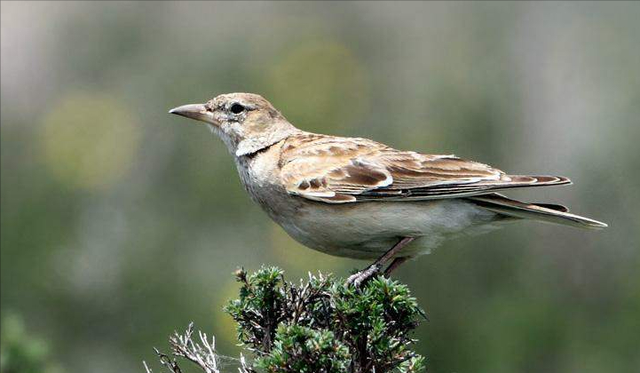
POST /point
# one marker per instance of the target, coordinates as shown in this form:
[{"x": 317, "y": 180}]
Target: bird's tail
[{"x": 548, "y": 213}]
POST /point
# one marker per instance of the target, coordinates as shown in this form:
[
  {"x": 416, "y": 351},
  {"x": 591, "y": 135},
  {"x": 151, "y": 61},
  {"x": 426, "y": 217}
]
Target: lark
[{"x": 358, "y": 198}]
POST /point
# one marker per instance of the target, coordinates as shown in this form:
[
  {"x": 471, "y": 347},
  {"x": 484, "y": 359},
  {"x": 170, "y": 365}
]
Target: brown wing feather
[{"x": 339, "y": 170}]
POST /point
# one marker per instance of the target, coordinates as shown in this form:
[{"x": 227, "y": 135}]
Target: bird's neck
[{"x": 254, "y": 144}]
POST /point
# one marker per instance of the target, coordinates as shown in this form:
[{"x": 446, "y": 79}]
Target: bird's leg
[
  {"x": 395, "y": 264},
  {"x": 358, "y": 278}
]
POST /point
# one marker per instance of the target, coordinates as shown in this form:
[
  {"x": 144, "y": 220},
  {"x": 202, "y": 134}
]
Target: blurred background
[{"x": 121, "y": 223}]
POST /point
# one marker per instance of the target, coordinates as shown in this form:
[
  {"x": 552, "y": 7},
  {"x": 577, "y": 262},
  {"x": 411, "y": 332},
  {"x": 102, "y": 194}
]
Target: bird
[{"x": 357, "y": 198}]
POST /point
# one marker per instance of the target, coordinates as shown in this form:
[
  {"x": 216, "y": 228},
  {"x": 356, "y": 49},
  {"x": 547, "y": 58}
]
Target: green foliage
[
  {"x": 301, "y": 349},
  {"x": 21, "y": 353},
  {"x": 323, "y": 325}
]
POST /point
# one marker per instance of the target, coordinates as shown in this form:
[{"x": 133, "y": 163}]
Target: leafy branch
[{"x": 318, "y": 325}]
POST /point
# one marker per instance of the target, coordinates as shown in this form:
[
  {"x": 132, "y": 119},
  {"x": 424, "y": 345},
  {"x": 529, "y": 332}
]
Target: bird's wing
[{"x": 340, "y": 170}]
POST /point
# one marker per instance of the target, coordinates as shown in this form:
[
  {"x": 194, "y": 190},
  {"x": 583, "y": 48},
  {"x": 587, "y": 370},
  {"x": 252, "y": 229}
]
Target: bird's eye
[{"x": 237, "y": 108}]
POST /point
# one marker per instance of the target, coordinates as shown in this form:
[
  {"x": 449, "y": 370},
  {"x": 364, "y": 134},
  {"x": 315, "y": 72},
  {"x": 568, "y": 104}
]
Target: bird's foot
[{"x": 359, "y": 278}]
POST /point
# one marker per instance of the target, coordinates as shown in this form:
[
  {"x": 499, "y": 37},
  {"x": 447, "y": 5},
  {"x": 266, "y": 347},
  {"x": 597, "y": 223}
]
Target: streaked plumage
[
  {"x": 339, "y": 170},
  {"x": 355, "y": 197}
]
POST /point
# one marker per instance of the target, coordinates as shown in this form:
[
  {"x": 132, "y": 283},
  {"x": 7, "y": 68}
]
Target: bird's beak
[{"x": 198, "y": 112}]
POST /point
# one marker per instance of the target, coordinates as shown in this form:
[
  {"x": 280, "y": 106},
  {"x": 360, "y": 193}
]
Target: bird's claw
[{"x": 359, "y": 278}]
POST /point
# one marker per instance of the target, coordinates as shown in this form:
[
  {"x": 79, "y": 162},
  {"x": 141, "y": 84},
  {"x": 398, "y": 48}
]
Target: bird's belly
[{"x": 366, "y": 230}]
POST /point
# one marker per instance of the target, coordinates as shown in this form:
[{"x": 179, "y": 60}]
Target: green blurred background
[{"x": 121, "y": 223}]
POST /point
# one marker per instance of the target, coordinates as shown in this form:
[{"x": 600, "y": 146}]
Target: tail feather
[
  {"x": 552, "y": 206},
  {"x": 548, "y": 213}
]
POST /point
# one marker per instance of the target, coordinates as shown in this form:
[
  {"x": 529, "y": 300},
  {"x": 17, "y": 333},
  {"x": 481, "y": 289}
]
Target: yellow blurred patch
[
  {"x": 319, "y": 86},
  {"x": 224, "y": 328},
  {"x": 89, "y": 141}
]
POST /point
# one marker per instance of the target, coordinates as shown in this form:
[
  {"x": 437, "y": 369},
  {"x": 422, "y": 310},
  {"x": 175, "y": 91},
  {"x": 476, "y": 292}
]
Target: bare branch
[{"x": 203, "y": 353}]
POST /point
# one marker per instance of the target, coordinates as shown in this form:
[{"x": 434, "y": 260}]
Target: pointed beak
[{"x": 198, "y": 112}]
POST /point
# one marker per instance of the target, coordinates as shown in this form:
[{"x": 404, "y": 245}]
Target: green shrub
[
  {"x": 317, "y": 326},
  {"x": 363, "y": 330}
]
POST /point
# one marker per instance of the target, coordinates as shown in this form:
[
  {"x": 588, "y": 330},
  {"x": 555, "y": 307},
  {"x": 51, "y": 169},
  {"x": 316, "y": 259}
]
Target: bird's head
[{"x": 246, "y": 122}]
